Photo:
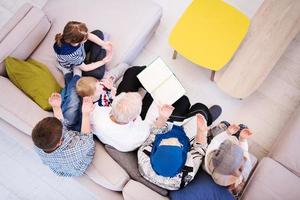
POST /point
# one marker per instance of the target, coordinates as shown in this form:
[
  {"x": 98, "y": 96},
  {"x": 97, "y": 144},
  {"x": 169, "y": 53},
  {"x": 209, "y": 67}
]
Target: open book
[{"x": 161, "y": 83}]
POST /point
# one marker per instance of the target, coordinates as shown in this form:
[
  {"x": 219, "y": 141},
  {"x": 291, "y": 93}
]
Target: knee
[
  {"x": 71, "y": 117},
  {"x": 133, "y": 71},
  {"x": 98, "y": 33},
  {"x": 184, "y": 101},
  {"x": 99, "y": 72}
]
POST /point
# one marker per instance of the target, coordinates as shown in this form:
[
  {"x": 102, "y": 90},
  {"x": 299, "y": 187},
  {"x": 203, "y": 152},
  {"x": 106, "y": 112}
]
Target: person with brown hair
[
  {"x": 76, "y": 47},
  {"x": 65, "y": 152}
]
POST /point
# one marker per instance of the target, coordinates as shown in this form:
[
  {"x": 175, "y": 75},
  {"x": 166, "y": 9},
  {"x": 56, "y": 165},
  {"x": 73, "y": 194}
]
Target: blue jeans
[{"x": 71, "y": 103}]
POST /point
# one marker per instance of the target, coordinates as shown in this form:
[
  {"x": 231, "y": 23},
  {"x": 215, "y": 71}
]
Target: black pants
[
  {"x": 183, "y": 109},
  {"x": 94, "y": 53}
]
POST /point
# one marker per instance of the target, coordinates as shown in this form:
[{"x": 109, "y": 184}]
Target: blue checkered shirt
[{"x": 74, "y": 155}]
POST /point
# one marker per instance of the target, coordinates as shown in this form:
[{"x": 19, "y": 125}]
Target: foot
[
  {"x": 215, "y": 112},
  {"x": 77, "y": 71}
]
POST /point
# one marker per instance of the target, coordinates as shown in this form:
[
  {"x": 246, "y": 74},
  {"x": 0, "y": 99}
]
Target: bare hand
[
  {"x": 55, "y": 100},
  {"x": 113, "y": 92},
  {"x": 87, "y": 105},
  {"x": 201, "y": 129},
  {"x": 108, "y": 82},
  {"x": 107, "y": 58},
  {"x": 166, "y": 111},
  {"x": 107, "y": 46},
  {"x": 201, "y": 123},
  {"x": 245, "y": 133},
  {"x": 232, "y": 129}
]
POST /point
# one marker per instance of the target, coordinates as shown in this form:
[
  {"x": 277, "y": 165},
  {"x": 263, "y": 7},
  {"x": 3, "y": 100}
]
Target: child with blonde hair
[{"x": 102, "y": 91}]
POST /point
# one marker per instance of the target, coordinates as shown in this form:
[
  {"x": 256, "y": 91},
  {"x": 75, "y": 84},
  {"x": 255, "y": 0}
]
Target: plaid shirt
[{"x": 74, "y": 155}]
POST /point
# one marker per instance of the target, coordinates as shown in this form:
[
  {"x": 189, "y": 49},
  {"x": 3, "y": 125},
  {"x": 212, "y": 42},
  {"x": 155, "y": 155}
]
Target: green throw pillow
[{"x": 33, "y": 78}]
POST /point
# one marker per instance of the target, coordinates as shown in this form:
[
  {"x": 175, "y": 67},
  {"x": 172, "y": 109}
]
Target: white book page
[
  {"x": 154, "y": 75},
  {"x": 169, "y": 92}
]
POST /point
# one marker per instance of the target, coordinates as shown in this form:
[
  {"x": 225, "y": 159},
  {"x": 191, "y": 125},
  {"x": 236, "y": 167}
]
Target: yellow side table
[{"x": 209, "y": 33}]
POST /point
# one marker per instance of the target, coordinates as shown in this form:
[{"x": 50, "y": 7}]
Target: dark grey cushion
[
  {"x": 128, "y": 161},
  {"x": 202, "y": 187}
]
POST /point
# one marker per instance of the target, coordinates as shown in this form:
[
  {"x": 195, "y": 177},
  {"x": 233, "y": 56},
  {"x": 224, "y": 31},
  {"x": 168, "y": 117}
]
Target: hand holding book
[{"x": 161, "y": 83}]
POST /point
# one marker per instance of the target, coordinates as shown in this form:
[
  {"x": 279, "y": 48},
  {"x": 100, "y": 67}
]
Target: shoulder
[{"x": 65, "y": 48}]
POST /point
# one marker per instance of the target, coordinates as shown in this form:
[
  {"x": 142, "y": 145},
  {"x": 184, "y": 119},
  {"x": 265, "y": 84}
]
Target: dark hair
[
  {"x": 74, "y": 32},
  {"x": 47, "y": 133}
]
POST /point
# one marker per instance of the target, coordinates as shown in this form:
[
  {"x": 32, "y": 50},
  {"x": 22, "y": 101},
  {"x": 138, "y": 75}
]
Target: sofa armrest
[
  {"x": 105, "y": 171},
  {"x": 18, "y": 109},
  {"x": 271, "y": 180},
  {"x": 134, "y": 190}
]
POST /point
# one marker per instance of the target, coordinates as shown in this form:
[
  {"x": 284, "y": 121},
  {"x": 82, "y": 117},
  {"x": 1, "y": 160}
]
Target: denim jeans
[{"x": 71, "y": 103}]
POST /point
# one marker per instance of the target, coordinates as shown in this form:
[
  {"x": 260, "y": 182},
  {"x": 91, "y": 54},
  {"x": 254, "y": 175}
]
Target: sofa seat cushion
[
  {"x": 272, "y": 181},
  {"x": 286, "y": 148},
  {"x": 33, "y": 78},
  {"x": 22, "y": 34},
  {"x": 129, "y": 162},
  {"x": 134, "y": 190},
  {"x": 18, "y": 109},
  {"x": 105, "y": 171},
  {"x": 127, "y": 22}
]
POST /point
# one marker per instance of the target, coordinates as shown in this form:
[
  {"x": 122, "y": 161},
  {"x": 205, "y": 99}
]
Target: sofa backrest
[{"x": 22, "y": 34}]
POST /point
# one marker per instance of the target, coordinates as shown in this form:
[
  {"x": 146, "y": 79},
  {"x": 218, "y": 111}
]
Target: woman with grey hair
[
  {"x": 227, "y": 158},
  {"x": 120, "y": 125}
]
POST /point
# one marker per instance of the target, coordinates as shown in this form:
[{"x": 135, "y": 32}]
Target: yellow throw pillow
[{"x": 33, "y": 78}]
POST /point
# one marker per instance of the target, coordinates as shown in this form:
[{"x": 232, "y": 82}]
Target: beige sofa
[
  {"x": 30, "y": 34},
  {"x": 277, "y": 176}
]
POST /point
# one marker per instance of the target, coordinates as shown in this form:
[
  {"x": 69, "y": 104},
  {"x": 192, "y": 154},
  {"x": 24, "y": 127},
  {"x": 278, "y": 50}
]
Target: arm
[
  {"x": 95, "y": 39},
  {"x": 87, "y": 108},
  {"x": 94, "y": 65},
  {"x": 109, "y": 84},
  {"x": 244, "y": 135},
  {"x": 55, "y": 102},
  {"x": 196, "y": 155},
  {"x": 106, "y": 45},
  {"x": 91, "y": 66},
  {"x": 164, "y": 114}
]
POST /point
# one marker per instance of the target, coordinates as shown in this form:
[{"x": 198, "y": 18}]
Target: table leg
[
  {"x": 174, "y": 54},
  {"x": 212, "y": 75}
]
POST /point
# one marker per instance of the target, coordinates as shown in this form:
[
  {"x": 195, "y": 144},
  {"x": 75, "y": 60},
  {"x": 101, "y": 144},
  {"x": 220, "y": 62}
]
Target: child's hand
[
  {"x": 113, "y": 92},
  {"x": 108, "y": 82},
  {"x": 245, "y": 133},
  {"x": 87, "y": 105},
  {"x": 166, "y": 111},
  {"x": 108, "y": 46},
  {"x": 108, "y": 57},
  {"x": 232, "y": 129},
  {"x": 55, "y": 100}
]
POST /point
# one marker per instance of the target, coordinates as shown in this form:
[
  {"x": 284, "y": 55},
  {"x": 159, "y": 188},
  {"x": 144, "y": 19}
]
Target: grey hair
[{"x": 126, "y": 107}]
